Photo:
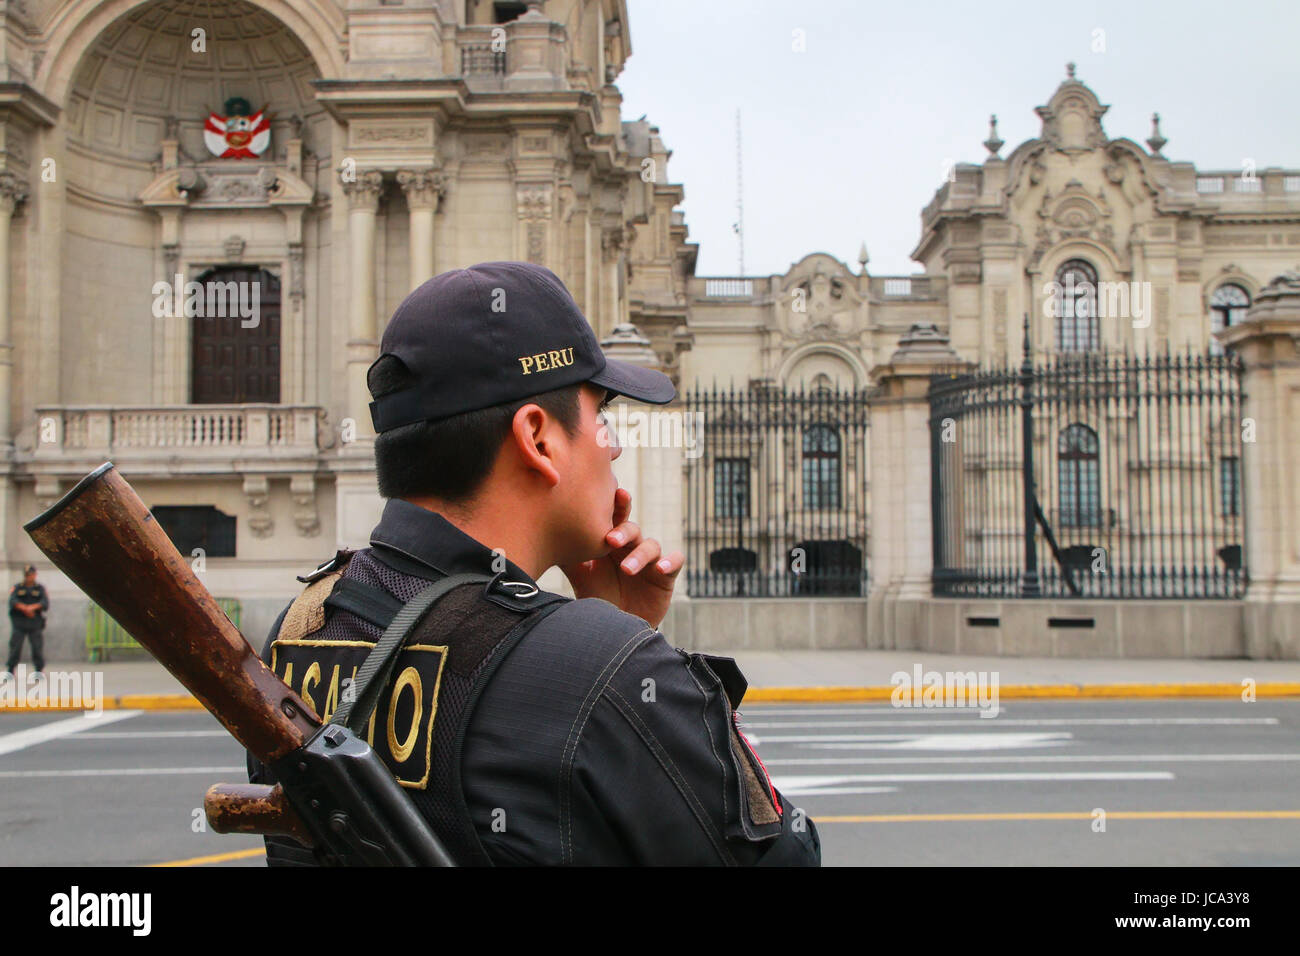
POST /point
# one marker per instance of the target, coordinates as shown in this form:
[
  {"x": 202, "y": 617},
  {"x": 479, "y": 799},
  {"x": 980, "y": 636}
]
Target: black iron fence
[
  {"x": 1090, "y": 475},
  {"x": 776, "y": 500}
]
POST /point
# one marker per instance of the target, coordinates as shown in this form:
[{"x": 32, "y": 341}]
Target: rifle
[{"x": 335, "y": 794}]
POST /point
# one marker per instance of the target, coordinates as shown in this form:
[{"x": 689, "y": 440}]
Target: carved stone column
[
  {"x": 12, "y": 191},
  {"x": 611, "y": 244},
  {"x": 533, "y": 203},
  {"x": 363, "y": 202},
  {"x": 423, "y": 189},
  {"x": 363, "y": 198}
]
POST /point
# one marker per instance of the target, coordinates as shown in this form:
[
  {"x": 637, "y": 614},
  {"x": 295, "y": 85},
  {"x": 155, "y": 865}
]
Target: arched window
[
  {"x": 821, "y": 468},
  {"x": 1076, "y": 307},
  {"x": 1077, "y": 484},
  {"x": 1228, "y": 305}
]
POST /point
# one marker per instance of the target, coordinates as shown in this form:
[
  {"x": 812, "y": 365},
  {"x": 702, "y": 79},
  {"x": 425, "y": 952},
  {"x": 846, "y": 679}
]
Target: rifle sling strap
[{"x": 375, "y": 671}]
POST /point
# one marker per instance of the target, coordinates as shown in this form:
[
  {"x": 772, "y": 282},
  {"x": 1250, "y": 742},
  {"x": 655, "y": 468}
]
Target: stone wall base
[
  {"x": 1103, "y": 629},
  {"x": 1115, "y": 629}
]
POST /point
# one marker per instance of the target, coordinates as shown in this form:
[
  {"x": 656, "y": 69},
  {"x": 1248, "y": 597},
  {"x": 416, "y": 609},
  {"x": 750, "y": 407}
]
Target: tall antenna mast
[{"x": 739, "y": 225}]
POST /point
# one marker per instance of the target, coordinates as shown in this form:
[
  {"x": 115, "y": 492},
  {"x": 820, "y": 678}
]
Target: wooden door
[{"x": 232, "y": 364}]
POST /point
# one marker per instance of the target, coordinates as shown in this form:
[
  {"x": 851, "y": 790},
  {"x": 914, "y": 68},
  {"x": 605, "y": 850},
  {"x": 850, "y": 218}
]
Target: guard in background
[
  {"x": 28, "y": 604},
  {"x": 527, "y": 727}
]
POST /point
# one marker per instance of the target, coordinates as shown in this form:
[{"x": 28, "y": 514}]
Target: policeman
[
  {"x": 28, "y": 603},
  {"x": 527, "y": 727}
]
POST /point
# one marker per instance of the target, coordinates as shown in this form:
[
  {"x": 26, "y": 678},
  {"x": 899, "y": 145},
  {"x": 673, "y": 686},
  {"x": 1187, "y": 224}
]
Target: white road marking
[
  {"x": 22, "y": 739},
  {"x": 972, "y": 717},
  {"x": 974, "y": 741},
  {"x": 1036, "y": 758},
  {"x": 800, "y": 783},
  {"x": 824, "y": 791},
  {"x": 769, "y": 710},
  {"x": 122, "y": 772},
  {"x": 157, "y": 734}
]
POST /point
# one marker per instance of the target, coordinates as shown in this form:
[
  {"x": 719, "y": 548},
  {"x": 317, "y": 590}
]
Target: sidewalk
[{"x": 854, "y": 675}]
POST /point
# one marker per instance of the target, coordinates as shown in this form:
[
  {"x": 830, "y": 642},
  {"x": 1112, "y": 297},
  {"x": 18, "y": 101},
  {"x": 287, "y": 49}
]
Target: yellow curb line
[
  {"x": 213, "y": 858},
  {"x": 1073, "y": 815},
  {"x": 1026, "y": 691},
  {"x": 793, "y": 695},
  {"x": 120, "y": 702}
]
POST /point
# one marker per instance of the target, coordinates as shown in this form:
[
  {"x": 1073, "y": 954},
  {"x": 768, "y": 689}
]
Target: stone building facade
[{"x": 408, "y": 137}]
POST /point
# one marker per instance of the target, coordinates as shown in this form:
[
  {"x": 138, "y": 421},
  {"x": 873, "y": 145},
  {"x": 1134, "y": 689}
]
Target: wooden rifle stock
[{"x": 101, "y": 535}]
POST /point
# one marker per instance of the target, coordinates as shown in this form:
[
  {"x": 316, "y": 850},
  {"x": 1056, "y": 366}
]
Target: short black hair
[{"x": 450, "y": 458}]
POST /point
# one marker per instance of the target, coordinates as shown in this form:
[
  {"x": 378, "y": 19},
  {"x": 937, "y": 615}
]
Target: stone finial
[
  {"x": 862, "y": 257},
  {"x": 993, "y": 143},
  {"x": 1156, "y": 141},
  {"x": 626, "y": 344},
  {"x": 1069, "y": 71},
  {"x": 1285, "y": 287},
  {"x": 924, "y": 341}
]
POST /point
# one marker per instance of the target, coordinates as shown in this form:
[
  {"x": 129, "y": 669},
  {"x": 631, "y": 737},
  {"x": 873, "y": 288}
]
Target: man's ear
[{"x": 533, "y": 433}]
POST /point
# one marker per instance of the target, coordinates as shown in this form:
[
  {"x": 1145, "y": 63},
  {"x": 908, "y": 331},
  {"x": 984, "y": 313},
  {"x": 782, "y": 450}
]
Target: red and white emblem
[{"x": 240, "y": 134}]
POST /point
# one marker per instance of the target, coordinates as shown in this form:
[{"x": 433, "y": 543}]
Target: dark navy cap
[{"x": 494, "y": 333}]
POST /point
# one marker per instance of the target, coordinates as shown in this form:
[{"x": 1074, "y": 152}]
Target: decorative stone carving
[
  {"x": 611, "y": 243},
  {"x": 1162, "y": 313},
  {"x": 257, "y": 492},
  {"x": 424, "y": 188},
  {"x": 485, "y": 145},
  {"x": 533, "y": 201},
  {"x": 302, "y": 489},
  {"x": 235, "y": 188},
  {"x": 365, "y": 190},
  {"x": 13, "y": 190},
  {"x": 1037, "y": 170},
  {"x": 233, "y": 247},
  {"x": 537, "y": 243},
  {"x": 296, "y": 279},
  {"x": 1073, "y": 214},
  {"x": 819, "y": 308},
  {"x": 1072, "y": 120}
]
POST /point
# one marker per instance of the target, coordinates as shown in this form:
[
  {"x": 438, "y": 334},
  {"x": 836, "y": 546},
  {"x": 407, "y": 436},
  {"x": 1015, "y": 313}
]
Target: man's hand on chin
[{"x": 634, "y": 575}]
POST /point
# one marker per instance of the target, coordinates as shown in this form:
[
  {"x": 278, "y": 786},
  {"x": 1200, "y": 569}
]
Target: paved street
[
  {"x": 876, "y": 778},
  {"x": 123, "y": 788}
]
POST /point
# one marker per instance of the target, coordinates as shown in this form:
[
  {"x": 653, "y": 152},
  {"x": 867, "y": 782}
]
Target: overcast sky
[{"x": 846, "y": 142}]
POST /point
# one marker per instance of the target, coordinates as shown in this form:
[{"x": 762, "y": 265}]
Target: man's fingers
[
  {"x": 623, "y": 534},
  {"x": 622, "y": 506},
  {"x": 670, "y": 564},
  {"x": 645, "y": 554}
]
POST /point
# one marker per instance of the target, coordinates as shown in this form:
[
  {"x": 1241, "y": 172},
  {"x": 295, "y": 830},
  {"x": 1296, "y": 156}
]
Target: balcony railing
[{"x": 193, "y": 430}]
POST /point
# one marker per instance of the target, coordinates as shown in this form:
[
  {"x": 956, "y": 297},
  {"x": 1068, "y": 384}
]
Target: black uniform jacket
[
  {"x": 22, "y": 594},
  {"x": 597, "y": 742}
]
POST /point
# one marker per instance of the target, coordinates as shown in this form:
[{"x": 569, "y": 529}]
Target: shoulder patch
[{"x": 400, "y": 729}]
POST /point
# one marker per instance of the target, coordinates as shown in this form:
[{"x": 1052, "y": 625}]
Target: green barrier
[{"x": 103, "y": 634}]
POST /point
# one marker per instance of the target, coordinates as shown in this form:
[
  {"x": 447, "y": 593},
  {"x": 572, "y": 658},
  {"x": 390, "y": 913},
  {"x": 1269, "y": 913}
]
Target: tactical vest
[{"x": 419, "y": 723}]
